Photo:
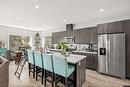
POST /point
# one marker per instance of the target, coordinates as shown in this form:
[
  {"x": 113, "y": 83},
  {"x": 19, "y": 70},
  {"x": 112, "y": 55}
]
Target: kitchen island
[
  {"x": 80, "y": 72},
  {"x": 80, "y": 68}
]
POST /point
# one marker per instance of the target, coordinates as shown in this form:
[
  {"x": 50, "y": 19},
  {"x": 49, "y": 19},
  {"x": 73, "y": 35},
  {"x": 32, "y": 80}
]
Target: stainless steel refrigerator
[{"x": 111, "y": 54}]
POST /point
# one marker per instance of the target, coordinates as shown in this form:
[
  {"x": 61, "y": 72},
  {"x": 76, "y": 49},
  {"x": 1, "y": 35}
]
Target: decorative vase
[{"x": 63, "y": 52}]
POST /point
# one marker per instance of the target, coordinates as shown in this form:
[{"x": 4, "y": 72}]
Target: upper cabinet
[
  {"x": 113, "y": 27},
  {"x": 93, "y": 35},
  {"x": 76, "y": 35},
  {"x": 58, "y": 37},
  {"x": 82, "y": 36},
  {"x": 86, "y": 35}
]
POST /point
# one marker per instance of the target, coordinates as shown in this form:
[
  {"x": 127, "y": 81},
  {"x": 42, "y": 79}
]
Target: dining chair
[
  {"x": 62, "y": 68},
  {"x": 39, "y": 65},
  {"x": 48, "y": 68},
  {"x": 31, "y": 62}
]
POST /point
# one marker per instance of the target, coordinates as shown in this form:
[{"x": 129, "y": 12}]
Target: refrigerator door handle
[
  {"x": 109, "y": 45},
  {"x": 108, "y": 55}
]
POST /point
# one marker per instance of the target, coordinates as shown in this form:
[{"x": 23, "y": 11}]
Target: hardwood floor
[
  {"x": 24, "y": 81},
  {"x": 93, "y": 79}
]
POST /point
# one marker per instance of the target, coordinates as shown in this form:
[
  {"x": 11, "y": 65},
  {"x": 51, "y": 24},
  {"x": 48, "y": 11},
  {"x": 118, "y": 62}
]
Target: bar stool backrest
[
  {"x": 38, "y": 59},
  {"x": 3, "y": 52},
  {"x": 30, "y": 55},
  {"x": 48, "y": 62},
  {"x": 60, "y": 65}
]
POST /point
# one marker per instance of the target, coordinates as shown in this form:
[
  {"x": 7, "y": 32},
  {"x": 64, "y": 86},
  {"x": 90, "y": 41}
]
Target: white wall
[{"x": 5, "y": 31}]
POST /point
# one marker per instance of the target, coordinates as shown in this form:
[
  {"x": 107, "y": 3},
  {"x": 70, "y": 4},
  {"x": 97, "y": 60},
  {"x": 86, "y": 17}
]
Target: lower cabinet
[
  {"x": 95, "y": 61},
  {"x": 92, "y": 61},
  {"x": 81, "y": 73}
]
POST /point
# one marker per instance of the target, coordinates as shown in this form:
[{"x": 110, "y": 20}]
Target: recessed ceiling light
[
  {"x": 64, "y": 20},
  {"x": 36, "y": 6},
  {"x": 18, "y": 18},
  {"x": 101, "y": 10}
]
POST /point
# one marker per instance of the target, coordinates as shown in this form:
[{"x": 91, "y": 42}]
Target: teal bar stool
[
  {"x": 39, "y": 65},
  {"x": 48, "y": 67},
  {"x": 3, "y": 52},
  {"x": 31, "y": 62},
  {"x": 62, "y": 68},
  {"x": 0, "y": 51}
]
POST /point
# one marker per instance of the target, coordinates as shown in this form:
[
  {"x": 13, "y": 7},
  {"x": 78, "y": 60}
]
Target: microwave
[{"x": 69, "y": 40}]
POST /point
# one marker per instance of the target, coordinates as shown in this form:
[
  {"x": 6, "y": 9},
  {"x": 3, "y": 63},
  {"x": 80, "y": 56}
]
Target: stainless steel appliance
[
  {"x": 69, "y": 40},
  {"x": 111, "y": 54}
]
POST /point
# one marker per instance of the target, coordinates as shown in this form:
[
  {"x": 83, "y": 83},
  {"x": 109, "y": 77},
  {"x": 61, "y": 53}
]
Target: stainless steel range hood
[{"x": 69, "y": 27}]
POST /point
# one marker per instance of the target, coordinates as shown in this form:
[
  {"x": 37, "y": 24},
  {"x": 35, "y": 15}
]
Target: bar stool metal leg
[
  {"x": 42, "y": 75},
  {"x": 33, "y": 71},
  {"x": 55, "y": 80},
  {"x": 66, "y": 82},
  {"x": 36, "y": 72},
  {"x": 29, "y": 68},
  {"x": 45, "y": 77},
  {"x": 52, "y": 79}
]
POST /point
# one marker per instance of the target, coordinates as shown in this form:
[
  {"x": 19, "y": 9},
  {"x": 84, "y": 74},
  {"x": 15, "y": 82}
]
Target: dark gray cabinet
[
  {"x": 127, "y": 31},
  {"x": 92, "y": 61},
  {"x": 54, "y": 38},
  {"x": 93, "y": 35},
  {"x": 76, "y": 35},
  {"x": 95, "y": 61},
  {"x": 86, "y": 38},
  {"x": 86, "y": 35},
  {"x": 113, "y": 27},
  {"x": 81, "y": 73},
  {"x": 82, "y": 36},
  {"x": 58, "y": 37},
  {"x": 88, "y": 61}
]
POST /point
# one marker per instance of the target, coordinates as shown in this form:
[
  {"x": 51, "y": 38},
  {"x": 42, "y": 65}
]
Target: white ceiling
[{"x": 51, "y": 13}]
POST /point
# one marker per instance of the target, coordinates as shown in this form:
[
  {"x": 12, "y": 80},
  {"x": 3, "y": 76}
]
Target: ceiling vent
[{"x": 69, "y": 27}]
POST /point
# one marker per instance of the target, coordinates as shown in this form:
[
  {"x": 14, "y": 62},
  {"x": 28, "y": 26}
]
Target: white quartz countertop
[
  {"x": 71, "y": 58},
  {"x": 77, "y": 51},
  {"x": 55, "y": 49},
  {"x": 75, "y": 58}
]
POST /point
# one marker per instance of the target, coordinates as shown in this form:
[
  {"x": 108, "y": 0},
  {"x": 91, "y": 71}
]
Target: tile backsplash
[{"x": 80, "y": 47}]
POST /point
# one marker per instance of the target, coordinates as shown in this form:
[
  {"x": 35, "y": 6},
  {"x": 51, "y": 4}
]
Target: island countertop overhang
[
  {"x": 72, "y": 58},
  {"x": 75, "y": 58}
]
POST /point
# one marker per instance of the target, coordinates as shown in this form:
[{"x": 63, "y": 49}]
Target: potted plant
[{"x": 63, "y": 47}]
